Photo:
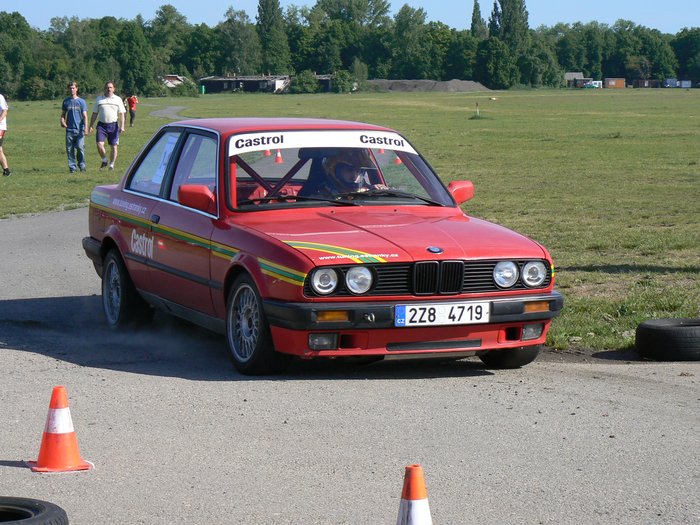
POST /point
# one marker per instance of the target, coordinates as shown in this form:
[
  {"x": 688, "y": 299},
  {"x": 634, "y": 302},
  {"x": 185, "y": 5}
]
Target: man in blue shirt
[{"x": 74, "y": 119}]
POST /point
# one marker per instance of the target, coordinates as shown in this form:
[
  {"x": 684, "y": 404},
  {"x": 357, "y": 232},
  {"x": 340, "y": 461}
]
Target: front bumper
[
  {"x": 370, "y": 330},
  {"x": 366, "y": 316}
]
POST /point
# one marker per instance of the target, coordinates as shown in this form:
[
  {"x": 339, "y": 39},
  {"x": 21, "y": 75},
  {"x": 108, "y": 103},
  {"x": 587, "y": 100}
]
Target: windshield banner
[{"x": 318, "y": 139}]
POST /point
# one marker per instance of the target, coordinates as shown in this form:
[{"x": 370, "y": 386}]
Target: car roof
[{"x": 226, "y": 126}]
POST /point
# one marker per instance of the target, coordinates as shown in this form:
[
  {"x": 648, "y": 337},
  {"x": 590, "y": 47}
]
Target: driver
[{"x": 348, "y": 171}]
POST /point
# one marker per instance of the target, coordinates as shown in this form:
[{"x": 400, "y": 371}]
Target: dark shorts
[{"x": 108, "y": 133}]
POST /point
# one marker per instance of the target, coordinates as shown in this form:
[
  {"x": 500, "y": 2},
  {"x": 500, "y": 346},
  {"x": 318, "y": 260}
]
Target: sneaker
[
  {"x": 7, "y": 172},
  {"x": 72, "y": 170},
  {"x": 111, "y": 167},
  {"x": 82, "y": 168},
  {"x": 103, "y": 165}
]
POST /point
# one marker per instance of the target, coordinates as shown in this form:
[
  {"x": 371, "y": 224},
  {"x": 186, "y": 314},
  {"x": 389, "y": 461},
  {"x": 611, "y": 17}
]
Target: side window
[
  {"x": 196, "y": 165},
  {"x": 150, "y": 174}
]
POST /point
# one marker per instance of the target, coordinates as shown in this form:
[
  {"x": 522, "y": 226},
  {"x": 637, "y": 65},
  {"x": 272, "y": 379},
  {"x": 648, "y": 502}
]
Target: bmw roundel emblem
[{"x": 434, "y": 249}]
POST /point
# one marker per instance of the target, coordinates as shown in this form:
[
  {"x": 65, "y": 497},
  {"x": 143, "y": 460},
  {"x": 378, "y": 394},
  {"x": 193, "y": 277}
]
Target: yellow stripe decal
[{"x": 354, "y": 255}]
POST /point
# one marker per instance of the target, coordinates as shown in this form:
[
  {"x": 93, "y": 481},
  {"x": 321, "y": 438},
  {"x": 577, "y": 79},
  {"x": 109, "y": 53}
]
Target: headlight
[
  {"x": 505, "y": 274},
  {"x": 358, "y": 279},
  {"x": 324, "y": 280},
  {"x": 534, "y": 273}
]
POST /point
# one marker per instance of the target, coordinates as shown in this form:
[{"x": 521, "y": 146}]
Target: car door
[
  {"x": 141, "y": 196},
  {"x": 183, "y": 234}
]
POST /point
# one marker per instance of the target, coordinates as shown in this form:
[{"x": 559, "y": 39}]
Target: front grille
[
  {"x": 438, "y": 277},
  {"x": 452, "y": 277},
  {"x": 425, "y": 277},
  {"x": 433, "y": 278}
]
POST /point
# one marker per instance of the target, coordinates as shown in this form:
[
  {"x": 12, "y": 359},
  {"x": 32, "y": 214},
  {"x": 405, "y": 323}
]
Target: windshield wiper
[{"x": 389, "y": 193}]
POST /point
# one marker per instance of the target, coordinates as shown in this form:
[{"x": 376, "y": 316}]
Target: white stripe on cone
[
  {"x": 59, "y": 421},
  {"x": 414, "y": 512}
]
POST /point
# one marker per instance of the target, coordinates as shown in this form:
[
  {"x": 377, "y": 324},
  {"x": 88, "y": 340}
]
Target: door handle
[{"x": 155, "y": 218}]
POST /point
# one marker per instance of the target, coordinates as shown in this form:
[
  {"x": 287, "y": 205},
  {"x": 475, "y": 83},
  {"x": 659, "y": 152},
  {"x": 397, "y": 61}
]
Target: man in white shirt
[
  {"x": 109, "y": 111},
  {"x": 3, "y": 127}
]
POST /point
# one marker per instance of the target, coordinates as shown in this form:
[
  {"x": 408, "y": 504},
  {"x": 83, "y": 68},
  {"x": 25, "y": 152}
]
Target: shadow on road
[
  {"x": 625, "y": 355},
  {"x": 72, "y": 329}
]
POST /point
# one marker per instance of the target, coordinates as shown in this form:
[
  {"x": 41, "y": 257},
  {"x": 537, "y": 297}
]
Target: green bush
[
  {"x": 186, "y": 89},
  {"x": 342, "y": 82},
  {"x": 304, "y": 82}
]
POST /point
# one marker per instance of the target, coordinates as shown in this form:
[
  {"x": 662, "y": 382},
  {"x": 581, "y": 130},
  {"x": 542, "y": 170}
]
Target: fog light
[
  {"x": 532, "y": 331},
  {"x": 323, "y": 341}
]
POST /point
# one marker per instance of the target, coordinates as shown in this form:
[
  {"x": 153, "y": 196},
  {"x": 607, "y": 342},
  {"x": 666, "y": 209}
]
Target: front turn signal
[
  {"x": 332, "y": 316},
  {"x": 536, "y": 306}
]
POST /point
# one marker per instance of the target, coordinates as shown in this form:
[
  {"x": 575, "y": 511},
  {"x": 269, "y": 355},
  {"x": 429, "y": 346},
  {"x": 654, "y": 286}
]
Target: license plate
[{"x": 441, "y": 314}]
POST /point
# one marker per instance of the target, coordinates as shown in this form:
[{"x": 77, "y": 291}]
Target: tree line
[{"x": 355, "y": 39}]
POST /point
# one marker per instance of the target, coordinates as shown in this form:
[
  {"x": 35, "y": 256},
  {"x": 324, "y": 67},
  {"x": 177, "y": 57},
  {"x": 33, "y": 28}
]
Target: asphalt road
[{"x": 177, "y": 436}]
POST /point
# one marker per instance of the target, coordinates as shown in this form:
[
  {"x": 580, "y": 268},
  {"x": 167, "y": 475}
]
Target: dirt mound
[{"x": 454, "y": 85}]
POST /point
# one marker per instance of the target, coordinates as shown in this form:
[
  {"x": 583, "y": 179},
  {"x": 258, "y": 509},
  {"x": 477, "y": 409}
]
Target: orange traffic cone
[
  {"x": 414, "y": 509},
  {"x": 59, "y": 446},
  {"x": 397, "y": 160},
  {"x": 268, "y": 153},
  {"x": 278, "y": 158}
]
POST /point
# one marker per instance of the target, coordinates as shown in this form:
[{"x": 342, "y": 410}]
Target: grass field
[{"x": 608, "y": 180}]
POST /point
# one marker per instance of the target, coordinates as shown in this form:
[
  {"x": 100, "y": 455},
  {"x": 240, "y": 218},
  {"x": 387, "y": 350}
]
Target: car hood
[{"x": 351, "y": 235}]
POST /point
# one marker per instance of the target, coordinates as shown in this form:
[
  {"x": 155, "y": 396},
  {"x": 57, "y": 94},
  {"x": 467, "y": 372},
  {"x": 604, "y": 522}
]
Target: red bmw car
[{"x": 317, "y": 239}]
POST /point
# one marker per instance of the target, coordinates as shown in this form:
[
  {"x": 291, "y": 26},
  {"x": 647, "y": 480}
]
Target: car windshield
[{"x": 329, "y": 168}]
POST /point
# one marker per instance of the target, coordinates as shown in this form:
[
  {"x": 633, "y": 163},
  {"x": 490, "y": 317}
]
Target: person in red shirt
[{"x": 131, "y": 102}]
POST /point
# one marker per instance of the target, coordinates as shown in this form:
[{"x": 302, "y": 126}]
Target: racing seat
[{"x": 315, "y": 180}]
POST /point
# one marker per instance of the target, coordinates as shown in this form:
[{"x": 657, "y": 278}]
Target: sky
[{"x": 668, "y": 16}]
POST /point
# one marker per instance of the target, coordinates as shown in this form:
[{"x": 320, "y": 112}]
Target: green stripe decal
[
  {"x": 220, "y": 250},
  {"x": 282, "y": 272},
  {"x": 132, "y": 219}
]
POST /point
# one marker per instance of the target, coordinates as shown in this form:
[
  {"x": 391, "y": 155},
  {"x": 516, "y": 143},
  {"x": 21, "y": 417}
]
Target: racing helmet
[{"x": 355, "y": 158}]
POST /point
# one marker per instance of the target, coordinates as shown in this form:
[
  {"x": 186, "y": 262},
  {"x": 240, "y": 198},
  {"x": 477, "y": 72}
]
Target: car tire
[
  {"x": 510, "y": 358},
  {"x": 669, "y": 339},
  {"x": 27, "y": 511},
  {"x": 248, "y": 332},
  {"x": 122, "y": 305}
]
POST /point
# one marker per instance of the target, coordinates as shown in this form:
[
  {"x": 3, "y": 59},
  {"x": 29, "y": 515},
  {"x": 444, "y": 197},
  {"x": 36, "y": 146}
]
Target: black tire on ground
[
  {"x": 510, "y": 358},
  {"x": 121, "y": 303},
  {"x": 669, "y": 339},
  {"x": 27, "y": 511},
  {"x": 248, "y": 333}
]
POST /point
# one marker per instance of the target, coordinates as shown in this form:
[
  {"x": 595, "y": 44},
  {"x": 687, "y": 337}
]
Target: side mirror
[
  {"x": 197, "y": 196},
  {"x": 461, "y": 190}
]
